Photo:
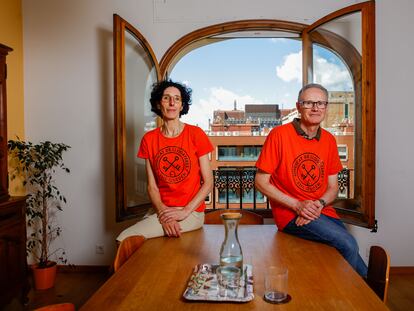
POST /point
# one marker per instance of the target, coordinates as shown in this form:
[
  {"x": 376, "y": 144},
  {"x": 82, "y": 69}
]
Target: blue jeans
[{"x": 333, "y": 232}]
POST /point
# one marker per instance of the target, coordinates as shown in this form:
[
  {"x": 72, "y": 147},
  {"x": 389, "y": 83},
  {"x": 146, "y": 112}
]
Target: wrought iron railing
[
  {"x": 344, "y": 177},
  {"x": 232, "y": 185},
  {"x": 235, "y": 188}
]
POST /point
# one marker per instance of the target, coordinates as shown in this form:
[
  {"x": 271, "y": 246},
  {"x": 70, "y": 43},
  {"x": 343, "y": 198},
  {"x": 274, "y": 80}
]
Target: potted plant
[{"x": 36, "y": 164}]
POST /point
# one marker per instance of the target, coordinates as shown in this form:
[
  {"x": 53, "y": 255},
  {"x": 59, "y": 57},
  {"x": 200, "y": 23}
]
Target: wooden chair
[
  {"x": 58, "y": 307},
  {"x": 127, "y": 247},
  {"x": 378, "y": 271},
  {"x": 248, "y": 218}
]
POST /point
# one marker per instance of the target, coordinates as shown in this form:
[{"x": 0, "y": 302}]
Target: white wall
[
  {"x": 394, "y": 141},
  {"x": 69, "y": 98}
]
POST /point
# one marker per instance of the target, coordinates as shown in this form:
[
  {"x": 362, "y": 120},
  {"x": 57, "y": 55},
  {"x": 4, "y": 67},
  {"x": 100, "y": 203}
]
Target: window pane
[
  {"x": 238, "y": 153},
  {"x": 140, "y": 75},
  {"x": 341, "y": 75},
  {"x": 234, "y": 197},
  {"x": 343, "y": 152}
]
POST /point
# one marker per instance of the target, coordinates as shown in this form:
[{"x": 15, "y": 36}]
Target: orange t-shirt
[
  {"x": 299, "y": 167},
  {"x": 175, "y": 163}
]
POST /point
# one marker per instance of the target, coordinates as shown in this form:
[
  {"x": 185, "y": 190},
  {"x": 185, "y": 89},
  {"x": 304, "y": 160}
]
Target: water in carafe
[{"x": 231, "y": 253}]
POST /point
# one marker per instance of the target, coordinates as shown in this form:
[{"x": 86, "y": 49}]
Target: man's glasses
[
  {"x": 308, "y": 104},
  {"x": 167, "y": 98}
]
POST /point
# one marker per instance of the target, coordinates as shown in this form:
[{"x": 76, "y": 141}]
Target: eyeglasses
[
  {"x": 166, "y": 99},
  {"x": 308, "y": 104}
]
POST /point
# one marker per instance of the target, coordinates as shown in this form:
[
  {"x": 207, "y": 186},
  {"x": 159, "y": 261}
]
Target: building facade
[{"x": 238, "y": 137}]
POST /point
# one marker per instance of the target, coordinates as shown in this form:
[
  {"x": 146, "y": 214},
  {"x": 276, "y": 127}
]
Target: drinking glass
[
  {"x": 276, "y": 284},
  {"x": 228, "y": 278}
]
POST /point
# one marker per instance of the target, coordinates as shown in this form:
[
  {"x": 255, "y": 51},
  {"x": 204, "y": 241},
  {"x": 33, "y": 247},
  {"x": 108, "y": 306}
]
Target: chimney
[{"x": 235, "y": 105}]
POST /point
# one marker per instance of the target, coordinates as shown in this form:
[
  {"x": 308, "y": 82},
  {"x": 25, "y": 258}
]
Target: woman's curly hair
[{"x": 158, "y": 90}]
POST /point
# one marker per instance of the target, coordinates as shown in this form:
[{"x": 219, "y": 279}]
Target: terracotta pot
[{"x": 44, "y": 278}]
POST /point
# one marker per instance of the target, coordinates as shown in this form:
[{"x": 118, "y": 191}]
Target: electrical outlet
[{"x": 99, "y": 249}]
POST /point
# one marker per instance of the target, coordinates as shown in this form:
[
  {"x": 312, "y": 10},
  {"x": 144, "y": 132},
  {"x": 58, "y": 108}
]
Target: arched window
[{"x": 346, "y": 36}]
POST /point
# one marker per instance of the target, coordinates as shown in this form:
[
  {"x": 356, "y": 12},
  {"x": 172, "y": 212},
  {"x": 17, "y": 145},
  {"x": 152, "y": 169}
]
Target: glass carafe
[{"x": 231, "y": 253}]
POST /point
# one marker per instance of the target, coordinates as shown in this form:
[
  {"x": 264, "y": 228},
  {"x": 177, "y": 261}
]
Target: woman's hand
[
  {"x": 173, "y": 214},
  {"x": 172, "y": 229}
]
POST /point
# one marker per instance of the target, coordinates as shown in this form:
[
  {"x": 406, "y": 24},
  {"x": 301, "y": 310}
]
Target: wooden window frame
[
  {"x": 123, "y": 212},
  {"x": 361, "y": 209}
]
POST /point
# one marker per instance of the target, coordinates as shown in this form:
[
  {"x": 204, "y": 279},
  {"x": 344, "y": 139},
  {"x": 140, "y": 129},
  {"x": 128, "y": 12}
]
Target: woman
[{"x": 177, "y": 165}]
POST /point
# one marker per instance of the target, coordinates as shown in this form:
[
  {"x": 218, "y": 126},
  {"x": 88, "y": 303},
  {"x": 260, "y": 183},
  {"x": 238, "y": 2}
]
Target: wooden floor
[
  {"x": 401, "y": 292},
  {"x": 74, "y": 287},
  {"x": 77, "y": 287}
]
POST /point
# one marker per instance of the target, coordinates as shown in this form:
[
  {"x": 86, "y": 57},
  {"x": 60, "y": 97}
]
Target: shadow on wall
[{"x": 112, "y": 228}]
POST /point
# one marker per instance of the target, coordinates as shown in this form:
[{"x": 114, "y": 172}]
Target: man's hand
[
  {"x": 173, "y": 214},
  {"x": 309, "y": 210},
  {"x": 172, "y": 229},
  {"x": 300, "y": 221}
]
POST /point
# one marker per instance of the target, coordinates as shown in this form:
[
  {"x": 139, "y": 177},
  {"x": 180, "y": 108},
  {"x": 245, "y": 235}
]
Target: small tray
[{"x": 203, "y": 285}]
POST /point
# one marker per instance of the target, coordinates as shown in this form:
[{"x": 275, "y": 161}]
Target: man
[{"x": 298, "y": 171}]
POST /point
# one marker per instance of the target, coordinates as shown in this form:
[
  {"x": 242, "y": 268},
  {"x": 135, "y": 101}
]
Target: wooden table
[{"x": 156, "y": 276}]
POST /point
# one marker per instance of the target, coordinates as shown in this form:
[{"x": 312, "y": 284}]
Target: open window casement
[
  {"x": 135, "y": 70},
  {"x": 348, "y": 36}
]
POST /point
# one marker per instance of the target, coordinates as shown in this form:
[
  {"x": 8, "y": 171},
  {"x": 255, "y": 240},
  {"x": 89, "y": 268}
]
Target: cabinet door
[
  {"x": 3, "y": 265},
  {"x": 4, "y": 192},
  {"x": 12, "y": 259}
]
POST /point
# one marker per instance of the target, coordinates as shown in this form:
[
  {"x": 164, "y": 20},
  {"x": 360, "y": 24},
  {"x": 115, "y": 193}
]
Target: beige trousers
[{"x": 150, "y": 227}]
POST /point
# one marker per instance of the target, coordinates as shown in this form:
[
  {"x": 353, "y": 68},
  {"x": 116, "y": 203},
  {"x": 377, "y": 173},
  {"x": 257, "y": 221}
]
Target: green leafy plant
[{"x": 36, "y": 164}]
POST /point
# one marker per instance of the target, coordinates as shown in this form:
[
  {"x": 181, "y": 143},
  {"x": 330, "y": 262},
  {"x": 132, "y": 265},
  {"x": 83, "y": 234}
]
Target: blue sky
[{"x": 251, "y": 71}]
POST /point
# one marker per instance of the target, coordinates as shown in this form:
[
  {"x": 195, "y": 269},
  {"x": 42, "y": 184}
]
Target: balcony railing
[{"x": 235, "y": 188}]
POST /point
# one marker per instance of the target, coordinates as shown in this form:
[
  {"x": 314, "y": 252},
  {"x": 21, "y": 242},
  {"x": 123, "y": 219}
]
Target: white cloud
[
  {"x": 278, "y": 40},
  {"x": 329, "y": 74},
  {"x": 291, "y": 69},
  {"x": 219, "y": 99}
]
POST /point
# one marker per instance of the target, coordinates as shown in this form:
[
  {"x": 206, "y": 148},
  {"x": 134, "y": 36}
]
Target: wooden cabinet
[
  {"x": 13, "y": 263},
  {"x": 4, "y": 189}
]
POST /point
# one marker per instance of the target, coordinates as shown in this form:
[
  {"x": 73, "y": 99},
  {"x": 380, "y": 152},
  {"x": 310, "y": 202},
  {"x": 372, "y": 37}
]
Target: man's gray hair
[{"x": 312, "y": 86}]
